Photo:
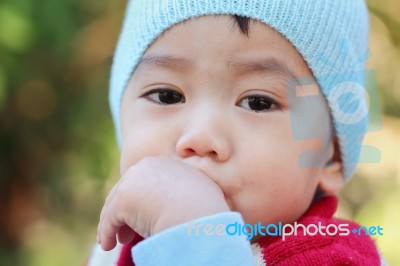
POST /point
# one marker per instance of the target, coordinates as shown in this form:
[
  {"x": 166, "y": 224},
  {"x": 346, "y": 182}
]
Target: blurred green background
[{"x": 58, "y": 155}]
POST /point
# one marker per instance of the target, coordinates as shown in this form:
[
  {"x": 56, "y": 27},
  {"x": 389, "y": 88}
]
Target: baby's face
[{"x": 211, "y": 97}]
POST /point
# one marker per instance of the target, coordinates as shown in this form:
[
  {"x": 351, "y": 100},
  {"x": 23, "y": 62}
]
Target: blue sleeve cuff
[{"x": 199, "y": 242}]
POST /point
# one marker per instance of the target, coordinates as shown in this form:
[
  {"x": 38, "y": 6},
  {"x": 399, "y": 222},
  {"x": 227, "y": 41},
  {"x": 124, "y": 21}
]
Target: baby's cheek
[
  {"x": 133, "y": 152},
  {"x": 127, "y": 160},
  {"x": 279, "y": 195},
  {"x": 299, "y": 194}
]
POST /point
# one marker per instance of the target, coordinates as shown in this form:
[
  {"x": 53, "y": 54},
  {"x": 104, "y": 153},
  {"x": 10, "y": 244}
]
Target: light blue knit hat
[{"x": 331, "y": 35}]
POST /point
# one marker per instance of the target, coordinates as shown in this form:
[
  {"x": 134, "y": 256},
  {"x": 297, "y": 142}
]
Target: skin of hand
[{"x": 153, "y": 195}]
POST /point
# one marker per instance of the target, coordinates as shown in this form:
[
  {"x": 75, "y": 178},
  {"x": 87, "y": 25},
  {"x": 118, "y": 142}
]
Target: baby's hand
[{"x": 153, "y": 195}]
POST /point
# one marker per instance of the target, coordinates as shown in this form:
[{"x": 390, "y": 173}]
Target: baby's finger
[
  {"x": 107, "y": 232},
  {"x": 109, "y": 227},
  {"x": 105, "y": 209},
  {"x": 99, "y": 226}
]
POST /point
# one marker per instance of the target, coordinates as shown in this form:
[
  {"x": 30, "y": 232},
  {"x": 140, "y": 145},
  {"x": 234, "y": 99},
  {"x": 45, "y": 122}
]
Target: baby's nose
[{"x": 205, "y": 136}]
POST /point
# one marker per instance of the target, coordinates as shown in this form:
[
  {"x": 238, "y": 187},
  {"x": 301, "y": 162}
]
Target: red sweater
[{"x": 352, "y": 249}]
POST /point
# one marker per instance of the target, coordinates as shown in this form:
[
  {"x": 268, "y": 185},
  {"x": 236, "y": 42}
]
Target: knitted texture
[
  {"x": 330, "y": 35},
  {"x": 125, "y": 258},
  {"x": 352, "y": 250}
]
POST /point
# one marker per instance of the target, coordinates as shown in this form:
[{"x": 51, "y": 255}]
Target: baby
[{"x": 238, "y": 123}]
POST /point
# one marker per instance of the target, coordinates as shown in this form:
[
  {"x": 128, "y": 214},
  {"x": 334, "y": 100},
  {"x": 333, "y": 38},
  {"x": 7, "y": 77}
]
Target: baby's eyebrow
[
  {"x": 165, "y": 61},
  {"x": 268, "y": 65}
]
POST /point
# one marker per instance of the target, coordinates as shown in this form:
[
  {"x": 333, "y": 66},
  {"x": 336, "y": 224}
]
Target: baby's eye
[
  {"x": 164, "y": 96},
  {"x": 259, "y": 103}
]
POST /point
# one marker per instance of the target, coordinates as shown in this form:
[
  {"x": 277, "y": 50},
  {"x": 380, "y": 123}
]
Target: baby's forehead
[{"x": 213, "y": 39}]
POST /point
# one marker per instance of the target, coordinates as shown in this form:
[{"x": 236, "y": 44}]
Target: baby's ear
[{"x": 332, "y": 180}]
